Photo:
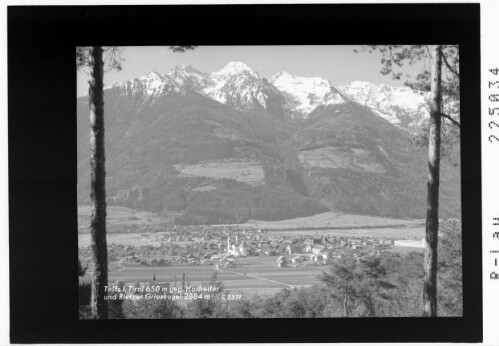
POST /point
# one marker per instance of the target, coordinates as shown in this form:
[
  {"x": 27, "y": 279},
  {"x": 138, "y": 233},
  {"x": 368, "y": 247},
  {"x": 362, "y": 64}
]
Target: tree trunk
[
  {"x": 98, "y": 187},
  {"x": 370, "y": 307},
  {"x": 345, "y": 302},
  {"x": 431, "y": 241}
]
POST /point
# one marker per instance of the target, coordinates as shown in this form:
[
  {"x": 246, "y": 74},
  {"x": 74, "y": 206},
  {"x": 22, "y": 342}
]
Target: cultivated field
[
  {"x": 117, "y": 215},
  {"x": 391, "y": 232},
  {"x": 252, "y": 275},
  {"x": 334, "y": 220},
  {"x": 136, "y": 239},
  {"x": 337, "y": 224},
  {"x": 249, "y": 172},
  {"x": 334, "y": 157},
  {"x": 404, "y": 250}
]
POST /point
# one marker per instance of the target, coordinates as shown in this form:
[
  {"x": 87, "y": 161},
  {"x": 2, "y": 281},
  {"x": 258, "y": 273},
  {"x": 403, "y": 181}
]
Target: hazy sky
[{"x": 339, "y": 64}]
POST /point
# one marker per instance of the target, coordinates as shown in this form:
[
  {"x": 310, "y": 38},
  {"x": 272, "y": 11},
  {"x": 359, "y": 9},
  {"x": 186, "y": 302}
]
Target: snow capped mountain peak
[
  {"x": 286, "y": 77},
  {"x": 281, "y": 75},
  {"x": 153, "y": 74},
  {"x": 186, "y": 68},
  {"x": 154, "y": 83},
  {"x": 151, "y": 77},
  {"x": 234, "y": 67},
  {"x": 188, "y": 77},
  {"x": 239, "y": 86},
  {"x": 147, "y": 87},
  {"x": 304, "y": 94},
  {"x": 361, "y": 84},
  {"x": 399, "y": 105}
]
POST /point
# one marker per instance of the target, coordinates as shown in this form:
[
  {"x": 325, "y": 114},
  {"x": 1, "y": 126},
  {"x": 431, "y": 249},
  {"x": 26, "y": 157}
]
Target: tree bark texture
[
  {"x": 431, "y": 239},
  {"x": 98, "y": 187},
  {"x": 345, "y": 304},
  {"x": 345, "y": 299}
]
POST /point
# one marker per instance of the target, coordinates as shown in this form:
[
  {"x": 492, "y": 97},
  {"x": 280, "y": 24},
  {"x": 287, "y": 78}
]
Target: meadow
[{"x": 249, "y": 172}]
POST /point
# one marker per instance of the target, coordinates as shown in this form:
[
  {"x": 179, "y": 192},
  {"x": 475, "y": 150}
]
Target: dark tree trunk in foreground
[
  {"x": 98, "y": 187},
  {"x": 431, "y": 241},
  {"x": 345, "y": 303}
]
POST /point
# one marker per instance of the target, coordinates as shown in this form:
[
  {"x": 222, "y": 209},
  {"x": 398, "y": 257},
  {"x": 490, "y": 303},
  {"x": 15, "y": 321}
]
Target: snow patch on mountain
[
  {"x": 304, "y": 94},
  {"x": 334, "y": 98},
  {"x": 214, "y": 90},
  {"x": 188, "y": 77},
  {"x": 400, "y": 106},
  {"x": 154, "y": 83},
  {"x": 147, "y": 89},
  {"x": 234, "y": 67},
  {"x": 239, "y": 86}
]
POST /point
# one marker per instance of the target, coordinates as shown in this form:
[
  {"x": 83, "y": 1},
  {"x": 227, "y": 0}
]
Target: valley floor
[
  {"x": 334, "y": 220},
  {"x": 251, "y": 275}
]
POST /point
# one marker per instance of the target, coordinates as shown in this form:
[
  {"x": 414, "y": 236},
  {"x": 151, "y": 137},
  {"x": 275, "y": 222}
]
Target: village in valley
[{"x": 272, "y": 258}]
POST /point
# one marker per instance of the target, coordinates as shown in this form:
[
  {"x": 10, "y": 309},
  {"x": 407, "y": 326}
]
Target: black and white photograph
[
  {"x": 241, "y": 173},
  {"x": 239, "y": 183}
]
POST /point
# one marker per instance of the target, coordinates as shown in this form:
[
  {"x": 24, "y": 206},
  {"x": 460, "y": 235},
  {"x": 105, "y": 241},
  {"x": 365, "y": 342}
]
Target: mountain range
[
  {"x": 232, "y": 145},
  {"x": 242, "y": 88}
]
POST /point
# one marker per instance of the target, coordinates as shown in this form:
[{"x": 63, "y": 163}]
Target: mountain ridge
[{"x": 290, "y": 96}]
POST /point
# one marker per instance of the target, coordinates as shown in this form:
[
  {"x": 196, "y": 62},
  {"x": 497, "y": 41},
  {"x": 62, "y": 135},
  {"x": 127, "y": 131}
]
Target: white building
[
  {"x": 410, "y": 243},
  {"x": 236, "y": 249}
]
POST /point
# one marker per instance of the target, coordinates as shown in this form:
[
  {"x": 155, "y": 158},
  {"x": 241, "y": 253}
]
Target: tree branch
[
  {"x": 428, "y": 50},
  {"x": 448, "y": 66},
  {"x": 181, "y": 49},
  {"x": 455, "y": 122}
]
